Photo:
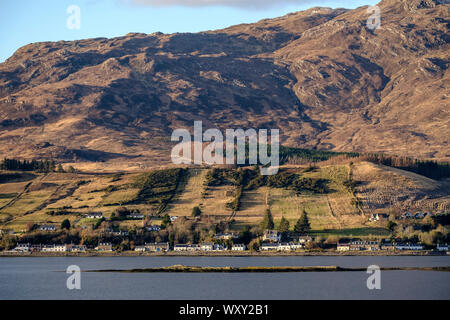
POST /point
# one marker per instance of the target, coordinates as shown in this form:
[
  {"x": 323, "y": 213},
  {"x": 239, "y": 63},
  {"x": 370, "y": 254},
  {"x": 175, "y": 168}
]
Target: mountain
[{"x": 320, "y": 76}]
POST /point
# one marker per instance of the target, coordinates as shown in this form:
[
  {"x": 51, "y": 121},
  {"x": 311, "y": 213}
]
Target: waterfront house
[
  {"x": 238, "y": 247},
  {"x": 104, "y": 246},
  {"x": 23, "y": 247},
  {"x": 140, "y": 248},
  {"x": 409, "y": 246},
  {"x": 284, "y": 247},
  {"x": 54, "y": 248},
  {"x": 157, "y": 246},
  {"x": 357, "y": 245},
  {"x": 269, "y": 247},
  {"x": 76, "y": 248},
  {"x": 219, "y": 247},
  {"x": 180, "y": 247},
  {"x": 36, "y": 248},
  {"x": 387, "y": 244},
  {"x": 194, "y": 247},
  {"x": 343, "y": 245},
  {"x": 272, "y": 235},
  {"x": 207, "y": 246},
  {"x": 297, "y": 245}
]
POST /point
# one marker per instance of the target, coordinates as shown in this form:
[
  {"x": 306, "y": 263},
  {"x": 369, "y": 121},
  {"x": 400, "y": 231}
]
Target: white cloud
[{"x": 248, "y": 4}]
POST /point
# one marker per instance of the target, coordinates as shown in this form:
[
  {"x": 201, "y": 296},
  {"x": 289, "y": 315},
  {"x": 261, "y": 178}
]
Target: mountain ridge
[{"x": 320, "y": 76}]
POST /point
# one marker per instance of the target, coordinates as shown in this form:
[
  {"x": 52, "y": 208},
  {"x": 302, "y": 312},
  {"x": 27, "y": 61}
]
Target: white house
[
  {"x": 409, "y": 246},
  {"x": 172, "y": 219},
  {"x": 238, "y": 247},
  {"x": 23, "y": 247},
  {"x": 343, "y": 246},
  {"x": 54, "y": 248},
  {"x": 140, "y": 248},
  {"x": 378, "y": 217},
  {"x": 47, "y": 227},
  {"x": 219, "y": 247},
  {"x": 284, "y": 247},
  {"x": 95, "y": 215},
  {"x": 193, "y": 247},
  {"x": 154, "y": 228},
  {"x": 104, "y": 246},
  {"x": 207, "y": 246},
  {"x": 296, "y": 245},
  {"x": 76, "y": 248},
  {"x": 442, "y": 247},
  {"x": 180, "y": 247},
  {"x": 272, "y": 235},
  {"x": 269, "y": 247}
]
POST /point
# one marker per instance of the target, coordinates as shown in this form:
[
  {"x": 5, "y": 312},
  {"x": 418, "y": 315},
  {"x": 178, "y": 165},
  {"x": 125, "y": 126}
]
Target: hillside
[
  {"x": 320, "y": 76},
  {"x": 323, "y": 191}
]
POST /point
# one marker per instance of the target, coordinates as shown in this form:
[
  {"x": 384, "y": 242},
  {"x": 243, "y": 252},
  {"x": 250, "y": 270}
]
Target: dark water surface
[{"x": 45, "y": 278}]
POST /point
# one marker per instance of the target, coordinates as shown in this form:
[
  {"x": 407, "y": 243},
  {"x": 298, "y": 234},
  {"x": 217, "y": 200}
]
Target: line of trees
[
  {"x": 33, "y": 165},
  {"x": 428, "y": 168},
  {"x": 25, "y": 165}
]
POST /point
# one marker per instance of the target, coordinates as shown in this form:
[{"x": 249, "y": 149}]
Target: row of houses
[
  {"x": 26, "y": 247},
  {"x": 282, "y": 246},
  {"x": 406, "y": 215},
  {"x": 360, "y": 245},
  {"x": 417, "y": 215},
  {"x": 161, "y": 247}
]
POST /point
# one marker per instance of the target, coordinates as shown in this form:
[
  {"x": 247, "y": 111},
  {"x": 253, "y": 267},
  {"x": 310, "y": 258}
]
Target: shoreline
[
  {"x": 197, "y": 269},
  {"x": 218, "y": 254}
]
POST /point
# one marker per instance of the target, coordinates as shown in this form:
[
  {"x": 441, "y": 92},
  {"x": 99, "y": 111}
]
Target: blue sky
[{"x": 26, "y": 21}]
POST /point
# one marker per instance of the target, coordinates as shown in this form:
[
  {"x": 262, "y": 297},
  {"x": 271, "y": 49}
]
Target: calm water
[{"x": 41, "y": 278}]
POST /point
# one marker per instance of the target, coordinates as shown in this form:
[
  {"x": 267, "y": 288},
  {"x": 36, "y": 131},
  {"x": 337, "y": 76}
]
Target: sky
[{"x": 26, "y": 21}]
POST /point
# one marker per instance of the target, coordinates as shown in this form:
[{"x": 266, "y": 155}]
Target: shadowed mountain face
[{"x": 320, "y": 76}]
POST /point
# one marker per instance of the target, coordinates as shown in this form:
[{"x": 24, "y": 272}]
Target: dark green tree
[
  {"x": 267, "y": 223},
  {"x": 65, "y": 224},
  {"x": 284, "y": 225},
  {"x": 302, "y": 226},
  {"x": 196, "y": 212},
  {"x": 166, "y": 221},
  {"x": 246, "y": 235}
]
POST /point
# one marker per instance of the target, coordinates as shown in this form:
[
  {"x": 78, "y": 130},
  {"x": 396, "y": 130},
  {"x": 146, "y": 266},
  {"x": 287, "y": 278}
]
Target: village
[{"x": 270, "y": 241}]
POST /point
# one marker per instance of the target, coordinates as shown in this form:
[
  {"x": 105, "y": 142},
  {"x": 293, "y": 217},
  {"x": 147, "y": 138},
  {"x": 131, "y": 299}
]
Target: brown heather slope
[{"x": 319, "y": 75}]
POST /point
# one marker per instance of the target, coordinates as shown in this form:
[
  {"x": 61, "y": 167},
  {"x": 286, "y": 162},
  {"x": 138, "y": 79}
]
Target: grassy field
[{"x": 29, "y": 198}]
